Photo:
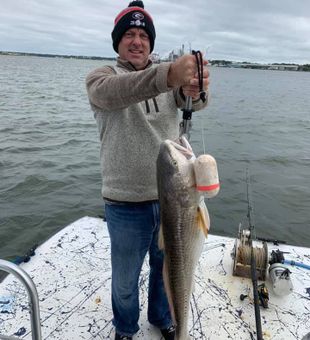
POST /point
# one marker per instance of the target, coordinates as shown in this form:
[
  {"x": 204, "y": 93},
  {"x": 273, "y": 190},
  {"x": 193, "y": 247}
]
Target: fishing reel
[
  {"x": 242, "y": 256},
  {"x": 263, "y": 295}
]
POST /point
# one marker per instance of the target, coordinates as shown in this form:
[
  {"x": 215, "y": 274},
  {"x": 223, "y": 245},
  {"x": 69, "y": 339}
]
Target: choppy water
[{"x": 49, "y": 150}]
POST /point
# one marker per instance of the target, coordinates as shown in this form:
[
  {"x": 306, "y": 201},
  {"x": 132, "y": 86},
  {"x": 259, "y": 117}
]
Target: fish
[{"x": 184, "y": 226}]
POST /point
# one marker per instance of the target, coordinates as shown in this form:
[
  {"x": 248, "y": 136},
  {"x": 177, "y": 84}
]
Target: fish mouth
[{"x": 181, "y": 146}]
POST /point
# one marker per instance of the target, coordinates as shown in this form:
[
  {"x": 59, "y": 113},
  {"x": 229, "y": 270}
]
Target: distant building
[
  {"x": 155, "y": 57},
  {"x": 174, "y": 55},
  {"x": 278, "y": 67}
]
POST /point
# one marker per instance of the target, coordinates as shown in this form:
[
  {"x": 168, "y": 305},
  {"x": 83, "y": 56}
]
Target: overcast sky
[{"x": 240, "y": 30}]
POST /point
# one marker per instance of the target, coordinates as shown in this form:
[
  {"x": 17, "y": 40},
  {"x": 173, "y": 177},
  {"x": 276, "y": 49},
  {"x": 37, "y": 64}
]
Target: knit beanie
[{"x": 133, "y": 16}]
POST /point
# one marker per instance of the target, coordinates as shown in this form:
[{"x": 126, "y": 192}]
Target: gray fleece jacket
[{"x": 135, "y": 111}]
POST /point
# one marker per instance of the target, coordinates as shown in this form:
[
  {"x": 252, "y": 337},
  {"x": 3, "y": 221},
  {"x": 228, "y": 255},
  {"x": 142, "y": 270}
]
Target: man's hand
[
  {"x": 192, "y": 90},
  {"x": 183, "y": 73}
]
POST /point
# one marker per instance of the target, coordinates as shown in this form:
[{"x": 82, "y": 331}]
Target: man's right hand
[{"x": 182, "y": 71}]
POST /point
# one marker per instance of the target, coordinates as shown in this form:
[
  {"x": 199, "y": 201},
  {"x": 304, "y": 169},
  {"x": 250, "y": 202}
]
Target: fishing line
[
  {"x": 203, "y": 140},
  {"x": 244, "y": 253}
]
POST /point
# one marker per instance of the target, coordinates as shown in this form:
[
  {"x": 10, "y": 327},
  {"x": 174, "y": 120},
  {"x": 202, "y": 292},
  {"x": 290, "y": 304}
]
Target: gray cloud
[{"x": 241, "y": 30}]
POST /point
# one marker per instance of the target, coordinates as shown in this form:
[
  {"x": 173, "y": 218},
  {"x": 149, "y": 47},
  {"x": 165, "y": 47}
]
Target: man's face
[{"x": 135, "y": 47}]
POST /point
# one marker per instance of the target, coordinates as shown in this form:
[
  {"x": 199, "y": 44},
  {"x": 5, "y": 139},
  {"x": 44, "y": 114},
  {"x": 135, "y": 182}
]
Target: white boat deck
[{"x": 72, "y": 275}]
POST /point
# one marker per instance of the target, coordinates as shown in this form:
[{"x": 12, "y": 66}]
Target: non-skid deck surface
[{"x": 73, "y": 278}]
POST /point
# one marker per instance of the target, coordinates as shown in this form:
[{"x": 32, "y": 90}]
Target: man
[{"x": 135, "y": 105}]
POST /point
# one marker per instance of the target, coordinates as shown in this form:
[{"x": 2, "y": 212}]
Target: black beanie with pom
[{"x": 133, "y": 16}]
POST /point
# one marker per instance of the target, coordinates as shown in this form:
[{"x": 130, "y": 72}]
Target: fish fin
[
  {"x": 203, "y": 218},
  {"x": 161, "y": 243},
  {"x": 168, "y": 292}
]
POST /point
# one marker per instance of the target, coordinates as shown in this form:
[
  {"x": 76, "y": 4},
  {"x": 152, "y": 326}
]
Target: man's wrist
[{"x": 170, "y": 77}]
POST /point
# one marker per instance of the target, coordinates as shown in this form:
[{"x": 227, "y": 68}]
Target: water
[{"x": 49, "y": 150}]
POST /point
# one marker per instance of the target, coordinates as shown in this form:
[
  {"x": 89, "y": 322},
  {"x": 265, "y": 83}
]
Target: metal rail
[{"x": 26, "y": 280}]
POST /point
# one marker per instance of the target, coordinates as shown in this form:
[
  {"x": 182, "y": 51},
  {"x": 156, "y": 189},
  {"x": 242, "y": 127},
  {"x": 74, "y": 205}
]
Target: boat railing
[{"x": 26, "y": 280}]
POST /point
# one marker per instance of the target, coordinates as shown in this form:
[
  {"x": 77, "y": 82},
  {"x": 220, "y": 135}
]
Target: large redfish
[{"x": 184, "y": 220}]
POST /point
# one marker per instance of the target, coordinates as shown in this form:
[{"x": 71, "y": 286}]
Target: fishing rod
[
  {"x": 187, "y": 116},
  {"x": 276, "y": 242},
  {"x": 253, "y": 263}
]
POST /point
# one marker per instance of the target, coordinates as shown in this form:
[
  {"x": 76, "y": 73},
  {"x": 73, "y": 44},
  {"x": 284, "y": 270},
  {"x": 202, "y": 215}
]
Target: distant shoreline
[
  {"x": 46, "y": 55},
  {"x": 219, "y": 63}
]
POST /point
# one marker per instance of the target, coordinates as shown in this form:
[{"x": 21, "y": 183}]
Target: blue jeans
[{"x": 133, "y": 229}]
